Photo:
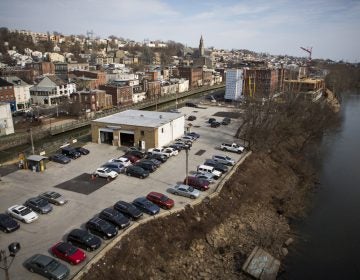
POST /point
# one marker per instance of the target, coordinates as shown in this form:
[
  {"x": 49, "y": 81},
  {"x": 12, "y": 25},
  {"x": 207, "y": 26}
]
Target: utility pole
[
  {"x": 187, "y": 165},
  {"x": 32, "y": 142}
]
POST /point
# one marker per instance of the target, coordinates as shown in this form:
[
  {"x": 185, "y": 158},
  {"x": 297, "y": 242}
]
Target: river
[{"x": 329, "y": 237}]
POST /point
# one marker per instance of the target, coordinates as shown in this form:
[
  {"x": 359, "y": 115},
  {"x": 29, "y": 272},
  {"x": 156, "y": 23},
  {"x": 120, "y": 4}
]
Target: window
[
  {"x": 142, "y": 132},
  {"x": 162, "y": 130}
]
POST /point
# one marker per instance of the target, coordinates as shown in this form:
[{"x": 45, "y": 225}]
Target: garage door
[
  {"x": 106, "y": 136},
  {"x": 127, "y": 138}
]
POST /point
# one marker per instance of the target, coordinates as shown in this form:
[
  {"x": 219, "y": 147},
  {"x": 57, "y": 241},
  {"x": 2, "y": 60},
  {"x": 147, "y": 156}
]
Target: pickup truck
[
  {"x": 159, "y": 151},
  {"x": 232, "y": 148}
]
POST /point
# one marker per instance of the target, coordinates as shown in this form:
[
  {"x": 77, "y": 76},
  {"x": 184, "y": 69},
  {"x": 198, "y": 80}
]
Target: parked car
[
  {"x": 198, "y": 183},
  {"x": 184, "y": 190},
  {"x": 182, "y": 144},
  {"x": 138, "y": 154},
  {"x": 53, "y": 197},
  {"x": 8, "y": 224},
  {"x": 47, "y": 267},
  {"x": 191, "y": 118},
  {"x": 217, "y": 165},
  {"x": 83, "y": 239},
  {"x": 105, "y": 173},
  {"x": 206, "y": 176},
  {"x": 193, "y": 134},
  {"x": 130, "y": 157},
  {"x": 22, "y": 213},
  {"x": 211, "y": 120},
  {"x": 161, "y": 158},
  {"x": 176, "y": 147},
  {"x": 226, "y": 121},
  {"x": 223, "y": 159},
  {"x": 59, "y": 158},
  {"x": 82, "y": 150},
  {"x": 149, "y": 166},
  {"x": 153, "y": 161},
  {"x": 215, "y": 124},
  {"x": 171, "y": 151},
  {"x": 191, "y": 104},
  {"x": 137, "y": 171},
  {"x": 128, "y": 209},
  {"x": 232, "y": 148},
  {"x": 114, "y": 166},
  {"x": 188, "y": 138},
  {"x": 161, "y": 200},
  {"x": 70, "y": 152},
  {"x": 39, "y": 205},
  {"x": 101, "y": 228},
  {"x": 158, "y": 151},
  {"x": 115, "y": 217},
  {"x": 124, "y": 161},
  {"x": 68, "y": 253},
  {"x": 146, "y": 206}
]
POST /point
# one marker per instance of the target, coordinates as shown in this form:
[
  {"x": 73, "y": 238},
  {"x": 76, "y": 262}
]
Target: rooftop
[{"x": 140, "y": 118}]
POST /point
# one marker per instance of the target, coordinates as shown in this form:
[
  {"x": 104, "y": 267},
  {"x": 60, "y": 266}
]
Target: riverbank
[{"x": 255, "y": 207}]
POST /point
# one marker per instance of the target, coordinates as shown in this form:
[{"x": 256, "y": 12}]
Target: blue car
[{"x": 146, "y": 206}]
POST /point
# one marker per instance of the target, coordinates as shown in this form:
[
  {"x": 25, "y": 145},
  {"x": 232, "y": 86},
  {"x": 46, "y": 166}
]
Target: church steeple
[{"x": 201, "y": 46}]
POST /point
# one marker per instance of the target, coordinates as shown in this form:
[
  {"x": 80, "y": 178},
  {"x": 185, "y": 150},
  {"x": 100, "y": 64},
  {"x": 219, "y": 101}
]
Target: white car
[
  {"x": 171, "y": 151},
  {"x": 22, "y": 213},
  {"x": 105, "y": 173},
  {"x": 124, "y": 161},
  {"x": 158, "y": 151}
]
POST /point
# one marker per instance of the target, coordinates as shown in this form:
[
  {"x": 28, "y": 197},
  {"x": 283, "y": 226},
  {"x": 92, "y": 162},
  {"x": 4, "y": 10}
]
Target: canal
[{"x": 329, "y": 242}]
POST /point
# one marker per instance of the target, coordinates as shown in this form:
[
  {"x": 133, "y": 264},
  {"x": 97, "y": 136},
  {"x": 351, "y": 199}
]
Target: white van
[{"x": 209, "y": 169}]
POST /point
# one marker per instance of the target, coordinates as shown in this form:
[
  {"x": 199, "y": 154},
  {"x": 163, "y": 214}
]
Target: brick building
[
  {"x": 121, "y": 95},
  {"x": 89, "y": 79},
  {"x": 7, "y": 94},
  {"x": 95, "y": 100},
  {"x": 152, "y": 89},
  {"x": 194, "y": 75}
]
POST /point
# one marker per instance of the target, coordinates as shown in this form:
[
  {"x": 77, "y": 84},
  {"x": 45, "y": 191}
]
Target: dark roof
[{"x": 4, "y": 83}]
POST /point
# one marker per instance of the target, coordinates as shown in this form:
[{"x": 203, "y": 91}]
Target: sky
[{"x": 279, "y": 27}]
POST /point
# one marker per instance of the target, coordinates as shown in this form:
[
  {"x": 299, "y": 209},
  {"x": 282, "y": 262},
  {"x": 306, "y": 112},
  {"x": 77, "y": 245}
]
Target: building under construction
[{"x": 260, "y": 82}]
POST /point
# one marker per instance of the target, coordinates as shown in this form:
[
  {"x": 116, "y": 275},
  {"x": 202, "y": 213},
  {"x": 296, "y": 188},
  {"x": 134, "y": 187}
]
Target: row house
[
  {"x": 51, "y": 90},
  {"x": 169, "y": 88},
  {"x": 94, "y": 100},
  {"x": 21, "y": 92},
  {"x": 207, "y": 77},
  {"x": 7, "y": 94},
  {"x": 62, "y": 69},
  {"x": 121, "y": 95},
  {"x": 89, "y": 79},
  {"x": 194, "y": 75},
  {"x": 152, "y": 89}
]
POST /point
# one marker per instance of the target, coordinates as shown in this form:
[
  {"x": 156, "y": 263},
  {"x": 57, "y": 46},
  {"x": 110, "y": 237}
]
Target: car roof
[
  {"x": 42, "y": 259},
  {"x": 78, "y": 232},
  {"x": 157, "y": 194},
  {"x": 141, "y": 199}
]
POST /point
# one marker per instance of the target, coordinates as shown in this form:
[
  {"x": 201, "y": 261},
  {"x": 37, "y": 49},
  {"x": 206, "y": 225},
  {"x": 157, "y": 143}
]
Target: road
[{"x": 39, "y": 236}]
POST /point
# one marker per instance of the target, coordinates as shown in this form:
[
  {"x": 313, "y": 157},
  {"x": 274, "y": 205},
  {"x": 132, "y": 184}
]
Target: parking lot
[{"x": 88, "y": 196}]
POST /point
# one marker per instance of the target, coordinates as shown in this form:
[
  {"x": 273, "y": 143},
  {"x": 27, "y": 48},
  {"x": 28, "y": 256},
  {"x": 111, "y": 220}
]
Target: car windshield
[
  {"x": 190, "y": 189},
  {"x": 42, "y": 202},
  {"x": 71, "y": 250},
  {"x": 164, "y": 198},
  {"x": 52, "y": 265},
  {"x": 88, "y": 238},
  {"x": 55, "y": 195},
  {"x": 25, "y": 211}
]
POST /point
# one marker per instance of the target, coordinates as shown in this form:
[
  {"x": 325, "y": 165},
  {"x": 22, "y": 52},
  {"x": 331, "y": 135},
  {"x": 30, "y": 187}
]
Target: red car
[
  {"x": 68, "y": 252},
  {"x": 132, "y": 158},
  {"x": 161, "y": 200},
  {"x": 198, "y": 183}
]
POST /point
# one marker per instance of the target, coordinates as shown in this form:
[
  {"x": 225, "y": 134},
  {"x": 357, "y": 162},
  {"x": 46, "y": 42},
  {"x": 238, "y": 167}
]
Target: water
[{"x": 329, "y": 244}]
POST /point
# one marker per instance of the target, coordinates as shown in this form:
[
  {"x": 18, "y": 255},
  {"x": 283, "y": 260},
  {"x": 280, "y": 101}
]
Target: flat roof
[{"x": 140, "y": 118}]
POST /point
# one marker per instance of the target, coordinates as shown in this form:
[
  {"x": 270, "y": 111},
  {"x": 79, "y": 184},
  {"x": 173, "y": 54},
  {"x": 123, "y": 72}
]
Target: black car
[
  {"x": 193, "y": 134},
  {"x": 101, "y": 228},
  {"x": 190, "y": 104},
  {"x": 158, "y": 157},
  {"x": 138, "y": 154},
  {"x": 82, "y": 150},
  {"x": 152, "y": 161},
  {"x": 191, "y": 118},
  {"x": 39, "y": 205},
  {"x": 59, "y": 158},
  {"x": 226, "y": 121},
  {"x": 211, "y": 120},
  {"x": 215, "y": 124},
  {"x": 137, "y": 171},
  {"x": 176, "y": 147},
  {"x": 146, "y": 165},
  {"x": 128, "y": 210},
  {"x": 114, "y": 217},
  {"x": 8, "y": 224},
  {"x": 146, "y": 206},
  {"x": 81, "y": 238},
  {"x": 217, "y": 166},
  {"x": 70, "y": 152}
]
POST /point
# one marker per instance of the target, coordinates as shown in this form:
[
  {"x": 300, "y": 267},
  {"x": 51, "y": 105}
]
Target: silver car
[
  {"x": 54, "y": 198},
  {"x": 184, "y": 190},
  {"x": 223, "y": 159},
  {"x": 206, "y": 176}
]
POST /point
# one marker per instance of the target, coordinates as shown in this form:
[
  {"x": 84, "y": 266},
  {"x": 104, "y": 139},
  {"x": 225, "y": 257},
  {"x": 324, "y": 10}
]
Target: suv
[
  {"x": 128, "y": 209},
  {"x": 105, "y": 173},
  {"x": 102, "y": 228},
  {"x": 114, "y": 217},
  {"x": 211, "y": 120},
  {"x": 226, "y": 121},
  {"x": 39, "y": 205},
  {"x": 218, "y": 166},
  {"x": 70, "y": 152},
  {"x": 81, "y": 238},
  {"x": 223, "y": 159}
]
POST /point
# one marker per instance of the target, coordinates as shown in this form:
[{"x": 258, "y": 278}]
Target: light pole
[
  {"x": 32, "y": 141},
  {"x": 5, "y": 264},
  {"x": 187, "y": 165}
]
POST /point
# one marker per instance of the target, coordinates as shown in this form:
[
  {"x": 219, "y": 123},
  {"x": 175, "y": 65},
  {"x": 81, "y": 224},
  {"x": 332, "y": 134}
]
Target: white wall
[
  {"x": 170, "y": 131},
  {"x": 234, "y": 81},
  {"x": 6, "y": 121}
]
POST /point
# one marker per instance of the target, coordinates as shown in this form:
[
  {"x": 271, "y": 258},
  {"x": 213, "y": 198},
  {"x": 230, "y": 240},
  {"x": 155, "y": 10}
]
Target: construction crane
[{"x": 308, "y": 50}]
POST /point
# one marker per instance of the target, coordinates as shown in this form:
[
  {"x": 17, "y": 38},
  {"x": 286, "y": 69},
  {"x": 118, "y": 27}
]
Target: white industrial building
[
  {"x": 234, "y": 84},
  {"x": 6, "y": 121},
  {"x": 144, "y": 129}
]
